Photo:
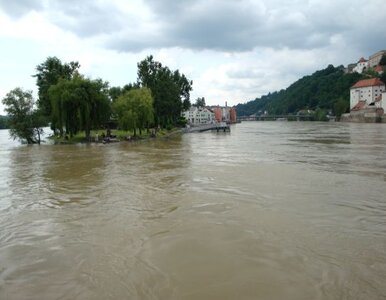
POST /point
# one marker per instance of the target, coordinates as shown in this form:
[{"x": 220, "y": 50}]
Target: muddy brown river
[{"x": 272, "y": 210}]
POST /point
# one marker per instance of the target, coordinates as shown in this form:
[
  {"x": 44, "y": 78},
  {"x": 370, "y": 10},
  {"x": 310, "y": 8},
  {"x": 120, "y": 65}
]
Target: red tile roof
[
  {"x": 368, "y": 82},
  {"x": 378, "y": 69},
  {"x": 362, "y": 60},
  {"x": 359, "y": 105}
]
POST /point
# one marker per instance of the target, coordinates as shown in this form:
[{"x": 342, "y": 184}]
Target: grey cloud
[
  {"x": 86, "y": 18},
  {"x": 234, "y": 26},
  {"x": 226, "y": 25},
  {"x": 18, "y": 8},
  {"x": 83, "y": 17}
]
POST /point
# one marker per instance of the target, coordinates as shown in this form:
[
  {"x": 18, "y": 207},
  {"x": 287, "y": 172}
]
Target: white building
[
  {"x": 198, "y": 116},
  {"x": 361, "y": 66},
  {"x": 366, "y": 92}
]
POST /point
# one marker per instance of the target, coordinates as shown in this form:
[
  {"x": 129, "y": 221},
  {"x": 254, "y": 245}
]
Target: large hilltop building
[
  {"x": 364, "y": 64},
  {"x": 376, "y": 58}
]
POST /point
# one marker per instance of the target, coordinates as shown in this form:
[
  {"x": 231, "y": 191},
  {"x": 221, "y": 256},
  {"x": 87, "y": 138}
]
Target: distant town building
[
  {"x": 376, "y": 58},
  {"x": 362, "y": 65},
  {"x": 224, "y": 113},
  {"x": 199, "y": 115},
  {"x": 366, "y": 92}
]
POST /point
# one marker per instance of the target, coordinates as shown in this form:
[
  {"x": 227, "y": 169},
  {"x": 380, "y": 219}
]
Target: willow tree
[
  {"x": 135, "y": 110},
  {"x": 79, "y": 104}
]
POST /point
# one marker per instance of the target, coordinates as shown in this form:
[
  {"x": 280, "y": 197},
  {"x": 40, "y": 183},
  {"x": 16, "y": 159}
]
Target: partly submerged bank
[{"x": 114, "y": 136}]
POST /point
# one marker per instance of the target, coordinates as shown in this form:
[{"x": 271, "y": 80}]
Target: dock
[{"x": 220, "y": 126}]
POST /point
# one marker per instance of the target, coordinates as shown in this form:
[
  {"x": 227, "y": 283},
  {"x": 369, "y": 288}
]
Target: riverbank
[
  {"x": 115, "y": 136},
  {"x": 368, "y": 115}
]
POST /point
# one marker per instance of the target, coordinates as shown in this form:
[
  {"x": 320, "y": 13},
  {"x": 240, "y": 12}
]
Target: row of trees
[{"x": 70, "y": 102}]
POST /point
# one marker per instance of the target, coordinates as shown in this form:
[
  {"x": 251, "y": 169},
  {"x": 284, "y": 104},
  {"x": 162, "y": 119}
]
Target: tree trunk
[{"x": 38, "y": 136}]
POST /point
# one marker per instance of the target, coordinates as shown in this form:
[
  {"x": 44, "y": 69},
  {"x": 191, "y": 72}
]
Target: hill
[{"x": 327, "y": 89}]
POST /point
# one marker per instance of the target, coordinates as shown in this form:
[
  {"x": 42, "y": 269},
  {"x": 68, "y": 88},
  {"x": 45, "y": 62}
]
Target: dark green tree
[
  {"x": 3, "y": 122},
  {"x": 382, "y": 62},
  {"x": 25, "y": 122},
  {"x": 383, "y": 77},
  {"x": 341, "y": 106},
  {"x": 170, "y": 90},
  {"x": 49, "y": 73},
  {"x": 200, "y": 102},
  {"x": 116, "y": 91}
]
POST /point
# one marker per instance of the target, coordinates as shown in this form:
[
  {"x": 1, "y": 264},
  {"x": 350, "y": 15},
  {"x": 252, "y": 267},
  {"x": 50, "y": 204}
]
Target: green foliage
[
  {"x": 116, "y": 91},
  {"x": 170, "y": 90},
  {"x": 383, "y": 60},
  {"x": 134, "y": 110},
  {"x": 323, "y": 89},
  {"x": 320, "y": 115},
  {"x": 341, "y": 106},
  {"x": 24, "y": 121},
  {"x": 371, "y": 73},
  {"x": 383, "y": 77},
  {"x": 49, "y": 73},
  {"x": 181, "y": 122},
  {"x": 79, "y": 104},
  {"x": 4, "y": 122},
  {"x": 200, "y": 102}
]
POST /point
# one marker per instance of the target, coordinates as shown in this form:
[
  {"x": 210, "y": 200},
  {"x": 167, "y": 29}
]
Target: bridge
[{"x": 277, "y": 118}]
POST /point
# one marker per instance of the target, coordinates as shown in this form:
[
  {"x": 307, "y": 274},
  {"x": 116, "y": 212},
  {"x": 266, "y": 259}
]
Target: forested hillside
[{"x": 327, "y": 89}]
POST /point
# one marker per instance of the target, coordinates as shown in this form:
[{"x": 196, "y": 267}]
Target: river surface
[{"x": 272, "y": 210}]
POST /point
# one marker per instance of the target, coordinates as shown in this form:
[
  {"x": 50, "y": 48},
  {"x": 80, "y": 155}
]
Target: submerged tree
[{"x": 25, "y": 122}]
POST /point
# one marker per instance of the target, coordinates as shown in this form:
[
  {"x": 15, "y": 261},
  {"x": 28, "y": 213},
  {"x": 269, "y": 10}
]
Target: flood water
[{"x": 272, "y": 210}]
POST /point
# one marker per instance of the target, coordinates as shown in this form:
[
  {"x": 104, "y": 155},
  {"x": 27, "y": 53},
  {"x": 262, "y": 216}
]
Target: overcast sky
[{"x": 233, "y": 50}]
